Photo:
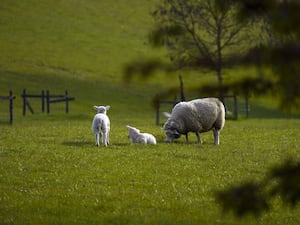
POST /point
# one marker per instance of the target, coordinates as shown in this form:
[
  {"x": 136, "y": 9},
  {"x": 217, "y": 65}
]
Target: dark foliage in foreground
[{"x": 254, "y": 198}]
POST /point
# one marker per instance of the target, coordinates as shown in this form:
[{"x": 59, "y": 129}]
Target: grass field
[
  {"x": 50, "y": 170},
  {"x": 51, "y": 173}
]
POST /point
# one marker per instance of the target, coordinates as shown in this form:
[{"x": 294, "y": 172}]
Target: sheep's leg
[
  {"x": 216, "y": 136},
  {"x": 97, "y": 139},
  {"x": 198, "y": 138},
  {"x": 186, "y": 138}
]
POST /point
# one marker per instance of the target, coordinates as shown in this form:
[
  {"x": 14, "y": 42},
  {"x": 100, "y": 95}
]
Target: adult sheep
[{"x": 199, "y": 115}]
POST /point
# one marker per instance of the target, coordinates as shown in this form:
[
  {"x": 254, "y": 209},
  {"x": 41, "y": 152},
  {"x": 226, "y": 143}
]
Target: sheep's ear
[
  {"x": 95, "y": 107},
  {"x": 167, "y": 115},
  {"x": 176, "y": 132},
  {"x": 130, "y": 127},
  {"x": 107, "y": 107}
]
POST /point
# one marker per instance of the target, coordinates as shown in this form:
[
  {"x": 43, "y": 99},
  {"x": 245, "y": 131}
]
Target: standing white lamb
[
  {"x": 101, "y": 125},
  {"x": 136, "y": 137},
  {"x": 199, "y": 115}
]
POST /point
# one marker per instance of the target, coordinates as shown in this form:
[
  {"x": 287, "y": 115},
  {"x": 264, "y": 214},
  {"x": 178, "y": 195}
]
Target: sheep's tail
[{"x": 221, "y": 118}]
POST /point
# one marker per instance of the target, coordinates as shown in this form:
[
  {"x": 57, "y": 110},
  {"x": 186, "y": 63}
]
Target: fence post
[
  {"x": 48, "y": 101},
  {"x": 235, "y": 108},
  {"x": 247, "y": 105},
  {"x": 67, "y": 101},
  {"x": 11, "y": 98},
  {"x": 24, "y": 102},
  {"x": 157, "y": 113},
  {"x": 43, "y": 101}
]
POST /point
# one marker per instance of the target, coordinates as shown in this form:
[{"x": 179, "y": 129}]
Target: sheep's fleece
[
  {"x": 136, "y": 137},
  {"x": 199, "y": 115}
]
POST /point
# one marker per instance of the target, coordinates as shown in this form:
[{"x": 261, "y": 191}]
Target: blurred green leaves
[
  {"x": 254, "y": 197},
  {"x": 243, "y": 199},
  {"x": 281, "y": 52}
]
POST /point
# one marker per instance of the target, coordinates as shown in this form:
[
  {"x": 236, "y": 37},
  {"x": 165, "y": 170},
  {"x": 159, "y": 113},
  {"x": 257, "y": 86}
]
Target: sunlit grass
[{"x": 51, "y": 172}]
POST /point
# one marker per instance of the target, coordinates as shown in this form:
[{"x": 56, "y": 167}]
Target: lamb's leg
[
  {"x": 101, "y": 137},
  {"x": 105, "y": 139},
  {"x": 216, "y": 136},
  {"x": 97, "y": 139},
  {"x": 186, "y": 138},
  {"x": 198, "y": 138}
]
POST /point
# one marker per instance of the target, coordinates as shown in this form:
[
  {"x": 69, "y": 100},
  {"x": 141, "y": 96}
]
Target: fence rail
[{"x": 46, "y": 100}]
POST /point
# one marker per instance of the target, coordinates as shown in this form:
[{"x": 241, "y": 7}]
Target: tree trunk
[
  {"x": 219, "y": 65},
  {"x": 220, "y": 84}
]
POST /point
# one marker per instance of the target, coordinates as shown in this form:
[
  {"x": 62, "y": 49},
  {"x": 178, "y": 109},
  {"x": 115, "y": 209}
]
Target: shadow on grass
[
  {"x": 78, "y": 143},
  {"x": 6, "y": 123},
  {"x": 91, "y": 144}
]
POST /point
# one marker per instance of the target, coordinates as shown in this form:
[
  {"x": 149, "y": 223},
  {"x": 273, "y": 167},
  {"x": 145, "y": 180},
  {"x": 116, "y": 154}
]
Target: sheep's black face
[{"x": 171, "y": 135}]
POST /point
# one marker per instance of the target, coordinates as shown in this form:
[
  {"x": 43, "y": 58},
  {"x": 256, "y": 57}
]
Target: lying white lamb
[
  {"x": 199, "y": 115},
  {"x": 136, "y": 137},
  {"x": 101, "y": 125}
]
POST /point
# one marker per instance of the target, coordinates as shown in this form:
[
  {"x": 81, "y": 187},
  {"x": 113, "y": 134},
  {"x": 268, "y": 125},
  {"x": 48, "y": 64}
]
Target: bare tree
[
  {"x": 280, "y": 51},
  {"x": 201, "y": 35}
]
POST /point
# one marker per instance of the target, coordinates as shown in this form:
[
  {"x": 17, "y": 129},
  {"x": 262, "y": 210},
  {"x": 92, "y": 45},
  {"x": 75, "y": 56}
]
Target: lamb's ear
[
  {"x": 107, "y": 107},
  {"x": 95, "y": 107},
  {"x": 167, "y": 115}
]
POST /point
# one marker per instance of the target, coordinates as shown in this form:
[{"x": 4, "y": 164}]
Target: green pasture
[
  {"x": 51, "y": 173},
  {"x": 50, "y": 170}
]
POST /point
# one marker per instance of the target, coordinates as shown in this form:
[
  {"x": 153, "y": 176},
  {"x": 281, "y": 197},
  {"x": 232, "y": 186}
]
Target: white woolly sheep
[
  {"x": 199, "y": 115},
  {"x": 136, "y": 137},
  {"x": 101, "y": 125}
]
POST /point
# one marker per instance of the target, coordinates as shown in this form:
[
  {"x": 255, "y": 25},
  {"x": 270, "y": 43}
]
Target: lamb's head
[
  {"x": 170, "y": 127},
  {"x": 132, "y": 131},
  {"x": 101, "y": 109}
]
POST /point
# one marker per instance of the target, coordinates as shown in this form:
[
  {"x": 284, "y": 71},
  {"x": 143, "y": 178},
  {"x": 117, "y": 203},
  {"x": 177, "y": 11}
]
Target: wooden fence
[
  {"x": 10, "y": 98},
  {"x": 46, "y": 100}
]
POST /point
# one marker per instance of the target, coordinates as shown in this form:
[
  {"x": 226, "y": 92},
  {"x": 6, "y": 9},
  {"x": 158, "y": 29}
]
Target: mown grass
[{"x": 51, "y": 173}]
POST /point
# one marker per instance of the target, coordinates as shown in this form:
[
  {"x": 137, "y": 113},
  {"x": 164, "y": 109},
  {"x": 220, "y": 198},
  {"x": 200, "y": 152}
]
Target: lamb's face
[
  {"x": 132, "y": 132},
  {"x": 171, "y": 132}
]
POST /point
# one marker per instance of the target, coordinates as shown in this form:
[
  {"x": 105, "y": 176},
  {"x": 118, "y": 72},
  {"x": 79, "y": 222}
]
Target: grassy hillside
[
  {"x": 83, "y": 46},
  {"x": 82, "y": 38},
  {"x": 77, "y": 45}
]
